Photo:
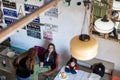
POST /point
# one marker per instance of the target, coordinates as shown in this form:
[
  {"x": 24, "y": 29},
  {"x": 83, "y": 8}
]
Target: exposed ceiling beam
[{"x": 5, "y": 33}]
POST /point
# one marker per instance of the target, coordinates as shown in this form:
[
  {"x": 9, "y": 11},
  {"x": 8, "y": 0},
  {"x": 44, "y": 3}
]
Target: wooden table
[{"x": 81, "y": 75}]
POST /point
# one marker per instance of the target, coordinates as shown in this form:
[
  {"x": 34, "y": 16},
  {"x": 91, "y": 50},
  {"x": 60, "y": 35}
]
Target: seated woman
[
  {"x": 48, "y": 61},
  {"x": 72, "y": 66}
]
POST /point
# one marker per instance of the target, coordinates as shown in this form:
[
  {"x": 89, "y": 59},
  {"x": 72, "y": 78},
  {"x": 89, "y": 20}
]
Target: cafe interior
[{"x": 87, "y": 30}]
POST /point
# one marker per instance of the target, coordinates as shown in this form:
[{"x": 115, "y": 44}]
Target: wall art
[
  {"x": 9, "y": 4},
  {"x": 51, "y": 27},
  {"x": 47, "y": 35},
  {"x": 11, "y": 13},
  {"x": 34, "y": 34},
  {"x": 30, "y": 8},
  {"x": 9, "y": 21},
  {"x": 53, "y": 12},
  {"x": 33, "y": 27}
]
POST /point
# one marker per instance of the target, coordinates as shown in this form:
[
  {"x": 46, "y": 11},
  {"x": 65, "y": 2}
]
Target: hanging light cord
[
  {"x": 84, "y": 37},
  {"x": 84, "y": 20}
]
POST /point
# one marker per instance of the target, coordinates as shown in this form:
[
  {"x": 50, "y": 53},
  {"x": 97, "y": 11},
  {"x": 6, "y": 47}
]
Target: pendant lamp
[
  {"x": 116, "y": 4},
  {"x": 83, "y": 46},
  {"x": 104, "y": 25}
]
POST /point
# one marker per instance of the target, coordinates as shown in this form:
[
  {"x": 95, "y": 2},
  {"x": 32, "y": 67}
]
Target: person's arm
[
  {"x": 53, "y": 70},
  {"x": 76, "y": 68}
]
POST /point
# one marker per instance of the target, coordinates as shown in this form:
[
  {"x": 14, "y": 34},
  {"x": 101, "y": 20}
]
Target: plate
[{"x": 61, "y": 78}]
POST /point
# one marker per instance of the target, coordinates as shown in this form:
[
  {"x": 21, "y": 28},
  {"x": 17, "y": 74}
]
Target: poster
[
  {"x": 51, "y": 27},
  {"x": 9, "y": 20},
  {"x": 33, "y": 27},
  {"x": 47, "y": 35},
  {"x": 30, "y": 8},
  {"x": 9, "y": 12},
  {"x": 34, "y": 34},
  {"x": 53, "y": 12},
  {"x": 9, "y": 4}
]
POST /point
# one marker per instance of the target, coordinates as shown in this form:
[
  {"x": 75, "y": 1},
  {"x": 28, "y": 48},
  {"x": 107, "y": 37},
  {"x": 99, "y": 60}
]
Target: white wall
[{"x": 69, "y": 24}]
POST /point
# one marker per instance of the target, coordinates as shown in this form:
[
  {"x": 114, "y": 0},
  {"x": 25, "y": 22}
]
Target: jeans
[
  {"x": 20, "y": 78},
  {"x": 70, "y": 70}
]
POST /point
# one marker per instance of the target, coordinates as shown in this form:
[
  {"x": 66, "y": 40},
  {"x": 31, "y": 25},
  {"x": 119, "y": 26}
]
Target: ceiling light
[{"x": 83, "y": 46}]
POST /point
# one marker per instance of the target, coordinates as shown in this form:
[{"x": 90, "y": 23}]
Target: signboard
[
  {"x": 51, "y": 27},
  {"x": 9, "y": 4},
  {"x": 34, "y": 34},
  {"x": 11, "y": 13},
  {"x": 9, "y": 20},
  {"x": 33, "y": 27},
  {"x": 47, "y": 35},
  {"x": 30, "y": 8}
]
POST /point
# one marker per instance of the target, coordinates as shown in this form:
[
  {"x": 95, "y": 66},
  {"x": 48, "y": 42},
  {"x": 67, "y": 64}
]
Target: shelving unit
[{"x": 98, "y": 10}]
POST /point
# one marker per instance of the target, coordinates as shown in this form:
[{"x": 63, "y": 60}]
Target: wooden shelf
[{"x": 95, "y": 15}]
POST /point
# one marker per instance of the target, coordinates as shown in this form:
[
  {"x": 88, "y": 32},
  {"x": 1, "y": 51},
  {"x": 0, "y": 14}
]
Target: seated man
[{"x": 48, "y": 61}]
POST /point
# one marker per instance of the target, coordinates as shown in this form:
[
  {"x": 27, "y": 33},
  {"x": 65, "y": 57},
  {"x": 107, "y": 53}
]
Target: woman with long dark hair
[
  {"x": 24, "y": 64},
  {"x": 50, "y": 59}
]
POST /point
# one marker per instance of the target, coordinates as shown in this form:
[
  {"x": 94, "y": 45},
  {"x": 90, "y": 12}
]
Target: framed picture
[
  {"x": 11, "y": 13},
  {"x": 9, "y": 4},
  {"x": 30, "y": 8},
  {"x": 34, "y": 34}
]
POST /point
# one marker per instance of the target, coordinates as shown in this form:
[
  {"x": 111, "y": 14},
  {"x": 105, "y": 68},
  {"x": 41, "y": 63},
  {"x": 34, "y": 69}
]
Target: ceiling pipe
[{"x": 5, "y": 33}]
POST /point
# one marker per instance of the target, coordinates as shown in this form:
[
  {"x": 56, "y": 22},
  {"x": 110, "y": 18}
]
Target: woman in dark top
[
  {"x": 50, "y": 58},
  {"x": 25, "y": 64}
]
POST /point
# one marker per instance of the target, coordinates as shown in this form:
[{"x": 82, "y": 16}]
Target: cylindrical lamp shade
[
  {"x": 104, "y": 27},
  {"x": 116, "y": 5},
  {"x": 83, "y": 50}
]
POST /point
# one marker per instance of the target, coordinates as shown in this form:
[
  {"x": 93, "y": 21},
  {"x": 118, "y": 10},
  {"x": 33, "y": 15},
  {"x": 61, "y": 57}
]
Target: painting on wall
[
  {"x": 34, "y": 34},
  {"x": 47, "y": 35},
  {"x": 30, "y": 8},
  {"x": 11, "y": 13},
  {"x": 9, "y": 4}
]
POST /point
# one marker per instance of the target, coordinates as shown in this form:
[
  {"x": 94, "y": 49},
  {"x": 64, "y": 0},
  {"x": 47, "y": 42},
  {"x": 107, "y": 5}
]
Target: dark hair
[
  {"x": 54, "y": 50},
  {"x": 72, "y": 59}
]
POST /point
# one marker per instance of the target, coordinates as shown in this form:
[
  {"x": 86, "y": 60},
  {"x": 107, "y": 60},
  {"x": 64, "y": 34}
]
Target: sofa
[{"x": 87, "y": 66}]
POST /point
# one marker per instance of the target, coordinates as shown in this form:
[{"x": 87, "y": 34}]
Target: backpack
[{"x": 99, "y": 69}]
